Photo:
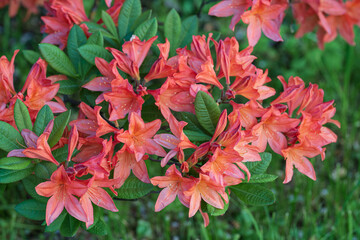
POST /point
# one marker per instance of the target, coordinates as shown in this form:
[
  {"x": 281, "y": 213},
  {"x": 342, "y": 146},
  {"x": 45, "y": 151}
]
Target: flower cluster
[
  {"x": 329, "y": 16},
  {"x": 205, "y": 113}
]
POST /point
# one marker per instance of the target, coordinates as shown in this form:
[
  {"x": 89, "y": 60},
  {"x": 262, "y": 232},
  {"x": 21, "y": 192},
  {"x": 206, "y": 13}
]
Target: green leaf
[
  {"x": 14, "y": 163},
  {"x": 56, "y": 224},
  {"x": 60, "y": 154},
  {"x": 76, "y": 39},
  {"x": 259, "y": 167},
  {"x": 207, "y": 111},
  {"x": 147, "y": 29},
  {"x": 172, "y": 30},
  {"x": 90, "y": 51},
  {"x": 57, "y": 59},
  {"x": 69, "y": 87},
  {"x": 253, "y": 194},
  {"x": 130, "y": 11},
  {"x": 96, "y": 38},
  {"x": 262, "y": 178},
  {"x": 9, "y": 176},
  {"x": 44, "y": 170},
  {"x": 189, "y": 28},
  {"x": 93, "y": 28},
  {"x": 30, "y": 183},
  {"x": 31, "y": 209},
  {"x": 99, "y": 228},
  {"x": 109, "y": 23},
  {"x": 213, "y": 211},
  {"x": 193, "y": 129},
  {"x": 69, "y": 226},
  {"x": 133, "y": 188},
  {"x": 60, "y": 123},
  {"x": 142, "y": 18},
  {"x": 10, "y": 139},
  {"x": 31, "y": 56},
  {"x": 22, "y": 116},
  {"x": 43, "y": 118}
]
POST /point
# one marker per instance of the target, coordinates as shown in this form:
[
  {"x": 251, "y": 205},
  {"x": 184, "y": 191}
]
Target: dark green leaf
[
  {"x": 207, "y": 111},
  {"x": 189, "y": 28},
  {"x": 172, "y": 30},
  {"x": 69, "y": 226},
  {"x": 193, "y": 129},
  {"x": 93, "y": 28},
  {"x": 76, "y": 39},
  {"x": 133, "y": 188},
  {"x": 99, "y": 228},
  {"x": 44, "y": 170},
  {"x": 30, "y": 183},
  {"x": 68, "y": 87},
  {"x": 147, "y": 29},
  {"x": 43, "y": 118},
  {"x": 57, "y": 59},
  {"x": 259, "y": 167},
  {"x": 60, "y": 123},
  {"x": 56, "y": 224},
  {"x": 90, "y": 51},
  {"x": 130, "y": 11},
  {"x": 22, "y": 116},
  {"x": 109, "y": 23},
  {"x": 262, "y": 178},
  {"x": 14, "y": 163},
  {"x": 32, "y": 209},
  {"x": 142, "y": 18},
  {"x": 253, "y": 194},
  {"x": 9, "y": 176},
  {"x": 10, "y": 139},
  {"x": 96, "y": 39},
  {"x": 60, "y": 154},
  {"x": 31, "y": 56}
]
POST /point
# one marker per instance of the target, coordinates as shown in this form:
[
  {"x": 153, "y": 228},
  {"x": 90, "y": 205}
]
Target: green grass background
[{"x": 328, "y": 208}]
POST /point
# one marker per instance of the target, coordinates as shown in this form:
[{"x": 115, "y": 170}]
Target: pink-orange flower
[
  {"x": 139, "y": 137},
  {"x": 263, "y": 18},
  {"x": 134, "y": 53},
  {"x": 174, "y": 185},
  {"x": 61, "y": 190}
]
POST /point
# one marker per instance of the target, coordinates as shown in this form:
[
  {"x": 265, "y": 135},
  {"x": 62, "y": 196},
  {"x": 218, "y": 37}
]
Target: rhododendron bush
[{"x": 145, "y": 95}]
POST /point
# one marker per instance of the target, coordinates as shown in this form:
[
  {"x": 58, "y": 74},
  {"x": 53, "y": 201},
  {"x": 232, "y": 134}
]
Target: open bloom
[{"x": 62, "y": 189}]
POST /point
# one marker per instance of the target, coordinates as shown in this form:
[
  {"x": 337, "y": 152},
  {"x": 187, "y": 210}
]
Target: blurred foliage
[{"x": 325, "y": 209}]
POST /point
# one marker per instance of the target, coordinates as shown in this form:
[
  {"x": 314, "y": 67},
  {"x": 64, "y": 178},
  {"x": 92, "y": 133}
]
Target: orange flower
[
  {"x": 61, "y": 190},
  {"x": 177, "y": 142},
  {"x": 174, "y": 185},
  {"x": 139, "y": 137},
  {"x": 134, "y": 53}
]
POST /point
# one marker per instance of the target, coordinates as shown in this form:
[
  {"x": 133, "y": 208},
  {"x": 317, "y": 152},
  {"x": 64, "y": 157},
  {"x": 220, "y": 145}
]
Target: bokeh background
[{"x": 328, "y": 208}]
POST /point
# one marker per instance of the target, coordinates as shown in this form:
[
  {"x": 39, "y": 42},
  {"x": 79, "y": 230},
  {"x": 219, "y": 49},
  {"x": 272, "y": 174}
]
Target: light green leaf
[
  {"x": 96, "y": 39},
  {"x": 259, "y": 167},
  {"x": 207, "y": 111},
  {"x": 60, "y": 123},
  {"x": 9, "y": 176},
  {"x": 133, "y": 188},
  {"x": 57, "y": 59},
  {"x": 10, "y": 139},
  {"x": 76, "y": 39},
  {"x": 43, "y": 118},
  {"x": 109, "y": 23},
  {"x": 22, "y": 116},
  {"x": 189, "y": 28},
  {"x": 262, "y": 178},
  {"x": 147, "y": 29},
  {"x": 14, "y": 163},
  {"x": 172, "y": 30},
  {"x": 253, "y": 194},
  {"x": 130, "y": 11},
  {"x": 90, "y": 51}
]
